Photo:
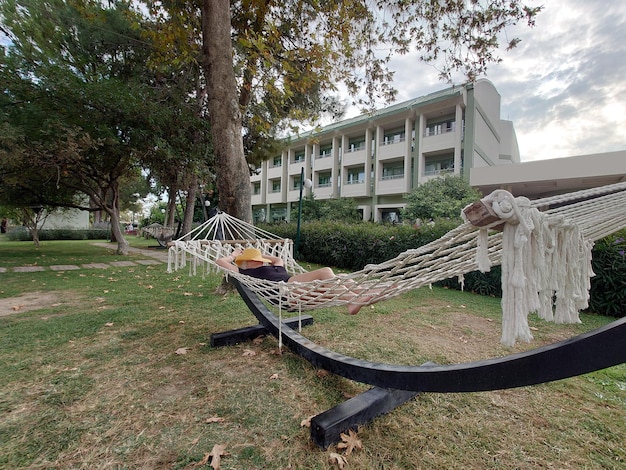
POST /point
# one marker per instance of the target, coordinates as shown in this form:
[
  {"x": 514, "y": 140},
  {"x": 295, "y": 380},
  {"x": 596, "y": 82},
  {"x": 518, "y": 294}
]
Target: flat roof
[{"x": 543, "y": 178}]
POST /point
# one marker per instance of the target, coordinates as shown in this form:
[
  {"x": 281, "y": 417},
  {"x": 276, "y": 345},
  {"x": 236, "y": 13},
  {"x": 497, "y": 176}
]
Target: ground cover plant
[{"x": 112, "y": 368}]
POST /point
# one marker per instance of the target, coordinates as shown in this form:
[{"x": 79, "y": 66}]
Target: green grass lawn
[{"x": 92, "y": 376}]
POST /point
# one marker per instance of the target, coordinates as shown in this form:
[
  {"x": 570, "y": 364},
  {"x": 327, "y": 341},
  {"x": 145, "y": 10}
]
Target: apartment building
[{"x": 376, "y": 159}]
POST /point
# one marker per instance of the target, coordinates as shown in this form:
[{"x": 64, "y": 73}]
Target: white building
[{"x": 378, "y": 158}]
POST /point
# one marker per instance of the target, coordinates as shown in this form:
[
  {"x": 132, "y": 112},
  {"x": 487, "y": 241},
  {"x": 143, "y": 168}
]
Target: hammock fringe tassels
[{"x": 544, "y": 247}]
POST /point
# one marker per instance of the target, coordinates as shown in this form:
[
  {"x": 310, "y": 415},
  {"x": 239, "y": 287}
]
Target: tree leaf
[
  {"x": 214, "y": 419},
  {"x": 216, "y": 455},
  {"x": 350, "y": 442},
  {"x": 337, "y": 459}
]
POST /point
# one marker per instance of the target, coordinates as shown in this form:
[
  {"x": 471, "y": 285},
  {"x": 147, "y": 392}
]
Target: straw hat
[{"x": 251, "y": 254}]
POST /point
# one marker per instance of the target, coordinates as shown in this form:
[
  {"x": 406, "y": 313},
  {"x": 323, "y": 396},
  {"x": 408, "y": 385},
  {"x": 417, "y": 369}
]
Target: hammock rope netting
[{"x": 544, "y": 248}]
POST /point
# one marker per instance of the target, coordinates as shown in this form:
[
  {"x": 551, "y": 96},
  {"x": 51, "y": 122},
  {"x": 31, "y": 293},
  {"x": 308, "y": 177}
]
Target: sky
[{"x": 564, "y": 86}]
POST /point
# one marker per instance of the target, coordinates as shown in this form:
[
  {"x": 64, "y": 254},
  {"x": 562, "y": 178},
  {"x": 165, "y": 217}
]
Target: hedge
[{"x": 23, "y": 234}]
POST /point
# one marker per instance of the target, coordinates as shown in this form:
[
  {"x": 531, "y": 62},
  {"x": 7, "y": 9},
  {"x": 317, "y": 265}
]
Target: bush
[
  {"x": 608, "y": 286},
  {"x": 23, "y": 234},
  {"x": 353, "y": 246}
]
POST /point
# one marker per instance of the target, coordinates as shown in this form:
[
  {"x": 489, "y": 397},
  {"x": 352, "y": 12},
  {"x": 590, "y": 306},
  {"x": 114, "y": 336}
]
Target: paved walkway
[{"x": 153, "y": 256}]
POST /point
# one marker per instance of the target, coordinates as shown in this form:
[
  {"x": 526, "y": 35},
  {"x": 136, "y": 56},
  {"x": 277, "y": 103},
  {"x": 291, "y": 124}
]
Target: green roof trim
[{"x": 393, "y": 109}]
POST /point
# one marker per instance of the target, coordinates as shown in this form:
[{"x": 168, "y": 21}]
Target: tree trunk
[
  {"x": 233, "y": 175},
  {"x": 190, "y": 205},
  {"x": 170, "y": 211},
  {"x": 113, "y": 210},
  {"x": 117, "y": 233}
]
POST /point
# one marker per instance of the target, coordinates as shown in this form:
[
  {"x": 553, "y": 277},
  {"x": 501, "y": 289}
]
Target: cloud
[{"x": 563, "y": 86}]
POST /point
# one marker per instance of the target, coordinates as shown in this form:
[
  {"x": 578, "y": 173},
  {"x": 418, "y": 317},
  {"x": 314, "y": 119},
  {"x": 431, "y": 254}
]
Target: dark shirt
[{"x": 269, "y": 273}]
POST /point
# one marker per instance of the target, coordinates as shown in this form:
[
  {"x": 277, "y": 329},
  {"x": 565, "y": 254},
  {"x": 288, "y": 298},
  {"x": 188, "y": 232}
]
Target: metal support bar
[{"x": 240, "y": 335}]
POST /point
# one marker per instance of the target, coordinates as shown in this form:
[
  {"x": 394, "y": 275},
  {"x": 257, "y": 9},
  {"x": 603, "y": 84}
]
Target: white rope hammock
[{"x": 544, "y": 247}]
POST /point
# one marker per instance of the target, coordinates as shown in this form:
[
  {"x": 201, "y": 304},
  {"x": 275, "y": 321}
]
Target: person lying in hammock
[{"x": 252, "y": 263}]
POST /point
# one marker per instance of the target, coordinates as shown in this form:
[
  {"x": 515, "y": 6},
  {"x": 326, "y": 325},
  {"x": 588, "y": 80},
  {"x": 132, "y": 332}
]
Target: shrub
[
  {"x": 608, "y": 286},
  {"x": 23, "y": 234}
]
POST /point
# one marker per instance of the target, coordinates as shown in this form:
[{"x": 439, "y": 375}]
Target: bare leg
[
  {"x": 317, "y": 275},
  {"x": 327, "y": 273}
]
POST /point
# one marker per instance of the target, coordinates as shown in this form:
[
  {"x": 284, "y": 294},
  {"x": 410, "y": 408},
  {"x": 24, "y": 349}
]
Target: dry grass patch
[{"x": 32, "y": 301}]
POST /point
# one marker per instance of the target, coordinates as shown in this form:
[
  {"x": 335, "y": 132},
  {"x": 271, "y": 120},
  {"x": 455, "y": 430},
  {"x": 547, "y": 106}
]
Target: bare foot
[{"x": 353, "y": 309}]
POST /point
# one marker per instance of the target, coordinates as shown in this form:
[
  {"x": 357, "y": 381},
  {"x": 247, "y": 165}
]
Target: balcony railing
[
  {"x": 438, "y": 130},
  {"x": 392, "y": 177},
  {"x": 392, "y": 141},
  {"x": 441, "y": 171},
  {"x": 355, "y": 149}
]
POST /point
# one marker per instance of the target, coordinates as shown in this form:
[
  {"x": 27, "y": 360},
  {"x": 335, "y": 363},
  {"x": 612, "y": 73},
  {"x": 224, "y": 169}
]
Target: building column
[
  {"x": 458, "y": 145},
  {"x": 335, "y": 173},
  {"x": 468, "y": 131},
  {"x": 408, "y": 128},
  {"x": 420, "y": 127}
]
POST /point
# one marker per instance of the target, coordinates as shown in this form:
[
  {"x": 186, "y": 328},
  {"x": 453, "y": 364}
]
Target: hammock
[{"x": 544, "y": 247}]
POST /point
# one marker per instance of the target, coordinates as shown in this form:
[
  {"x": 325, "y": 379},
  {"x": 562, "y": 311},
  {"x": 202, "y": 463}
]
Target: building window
[
  {"x": 277, "y": 162},
  {"x": 440, "y": 126},
  {"x": 256, "y": 188},
  {"x": 279, "y": 214},
  {"x": 325, "y": 151},
  {"x": 393, "y": 170},
  {"x": 298, "y": 157},
  {"x": 394, "y": 137},
  {"x": 391, "y": 216},
  {"x": 323, "y": 180},
  {"x": 438, "y": 165},
  {"x": 297, "y": 181},
  {"x": 355, "y": 175},
  {"x": 259, "y": 215},
  {"x": 275, "y": 186},
  {"x": 355, "y": 145}
]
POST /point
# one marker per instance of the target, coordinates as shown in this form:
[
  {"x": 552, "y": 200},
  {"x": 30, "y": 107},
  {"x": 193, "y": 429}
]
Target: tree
[
  {"x": 286, "y": 56},
  {"x": 442, "y": 197},
  {"x": 86, "y": 109}
]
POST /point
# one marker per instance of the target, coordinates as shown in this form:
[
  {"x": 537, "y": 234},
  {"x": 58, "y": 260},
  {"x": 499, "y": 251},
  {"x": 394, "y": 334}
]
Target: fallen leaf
[
  {"x": 215, "y": 455},
  {"x": 337, "y": 459},
  {"x": 306, "y": 423},
  {"x": 182, "y": 350},
  {"x": 248, "y": 352},
  {"x": 108, "y": 324},
  {"x": 322, "y": 373},
  {"x": 258, "y": 340},
  {"x": 16, "y": 307},
  {"x": 534, "y": 328},
  {"x": 182, "y": 322},
  {"x": 273, "y": 376},
  {"x": 187, "y": 294},
  {"x": 350, "y": 442},
  {"x": 214, "y": 419}
]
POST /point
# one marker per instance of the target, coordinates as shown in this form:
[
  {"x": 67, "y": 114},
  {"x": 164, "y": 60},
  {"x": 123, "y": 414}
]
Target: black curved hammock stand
[{"x": 396, "y": 384}]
